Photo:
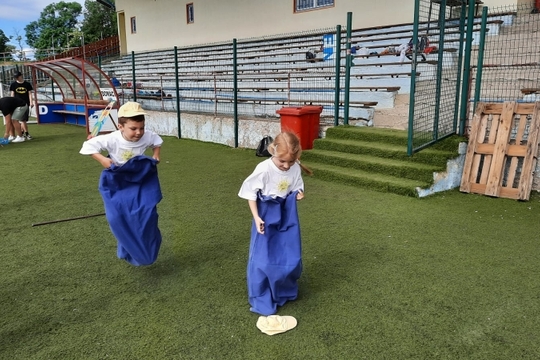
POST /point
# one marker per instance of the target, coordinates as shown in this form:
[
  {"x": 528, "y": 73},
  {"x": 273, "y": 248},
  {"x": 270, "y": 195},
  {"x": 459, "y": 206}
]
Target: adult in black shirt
[{"x": 22, "y": 89}]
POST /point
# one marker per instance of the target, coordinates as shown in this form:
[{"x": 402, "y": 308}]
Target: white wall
[
  {"x": 212, "y": 129},
  {"x": 162, "y": 23}
]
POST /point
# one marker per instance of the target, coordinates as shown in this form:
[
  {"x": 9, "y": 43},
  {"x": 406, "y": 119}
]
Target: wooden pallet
[{"x": 502, "y": 150}]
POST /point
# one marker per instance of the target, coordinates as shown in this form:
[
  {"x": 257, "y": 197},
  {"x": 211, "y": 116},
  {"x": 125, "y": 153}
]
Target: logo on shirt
[
  {"x": 126, "y": 155},
  {"x": 283, "y": 185},
  {"x": 21, "y": 90}
]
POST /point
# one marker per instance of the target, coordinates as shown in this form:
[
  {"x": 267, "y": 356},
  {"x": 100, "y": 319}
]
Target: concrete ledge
[
  {"x": 449, "y": 179},
  {"x": 251, "y": 130},
  {"x": 217, "y": 129}
]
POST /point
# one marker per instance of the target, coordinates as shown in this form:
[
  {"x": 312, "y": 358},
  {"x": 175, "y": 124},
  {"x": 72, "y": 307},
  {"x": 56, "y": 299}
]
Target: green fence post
[
  {"x": 466, "y": 68},
  {"x": 133, "y": 75},
  {"x": 413, "y": 79},
  {"x": 235, "y": 95},
  {"x": 348, "y": 61},
  {"x": 178, "y": 120},
  {"x": 460, "y": 67},
  {"x": 480, "y": 62},
  {"x": 442, "y": 20},
  {"x": 52, "y": 89},
  {"x": 338, "y": 75}
]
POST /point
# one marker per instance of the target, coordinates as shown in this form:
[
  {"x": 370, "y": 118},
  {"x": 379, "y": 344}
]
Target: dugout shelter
[{"x": 77, "y": 91}]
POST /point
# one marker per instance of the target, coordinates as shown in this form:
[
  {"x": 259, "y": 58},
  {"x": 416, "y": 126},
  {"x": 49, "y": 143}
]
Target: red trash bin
[{"x": 303, "y": 121}]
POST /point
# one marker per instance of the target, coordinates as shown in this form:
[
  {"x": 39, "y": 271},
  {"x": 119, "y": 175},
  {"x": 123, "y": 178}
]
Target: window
[
  {"x": 302, "y": 5},
  {"x": 189, "y": 13},
  {"x": 133, "y": 25}
]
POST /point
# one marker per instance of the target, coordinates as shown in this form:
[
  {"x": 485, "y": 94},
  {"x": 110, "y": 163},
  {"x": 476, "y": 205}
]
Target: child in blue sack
[
  {"x": 275, "y": 252},
  {"x": 129, "y": 184},
  {"x": 130, "y": 140}
]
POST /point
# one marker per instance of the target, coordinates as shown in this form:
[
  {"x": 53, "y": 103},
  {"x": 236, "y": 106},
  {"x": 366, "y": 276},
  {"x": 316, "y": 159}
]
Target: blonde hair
[{"x": 287, "y": 143}]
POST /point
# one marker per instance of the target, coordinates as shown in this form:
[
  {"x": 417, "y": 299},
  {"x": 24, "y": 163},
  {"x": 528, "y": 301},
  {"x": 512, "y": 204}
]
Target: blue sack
[
  {"x": 130, "y": 194},
  {"x": 275, "y": 258}
]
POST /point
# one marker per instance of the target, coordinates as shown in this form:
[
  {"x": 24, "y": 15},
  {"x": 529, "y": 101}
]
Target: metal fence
[
  {"x": 507, "y": 67},
  {"x": 474, "y": 54},
  {"x": 480, "y": 54},
  {"x": 253, "y": 77},
  {"x": 436, "y": 72}
]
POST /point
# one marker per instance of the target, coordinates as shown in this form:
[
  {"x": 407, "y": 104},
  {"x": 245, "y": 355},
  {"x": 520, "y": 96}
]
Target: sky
[{"x": 16, "y": 14}]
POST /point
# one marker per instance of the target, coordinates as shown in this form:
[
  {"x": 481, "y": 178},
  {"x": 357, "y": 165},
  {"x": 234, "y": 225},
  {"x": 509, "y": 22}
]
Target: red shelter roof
[{"x": 76, "y": 78}]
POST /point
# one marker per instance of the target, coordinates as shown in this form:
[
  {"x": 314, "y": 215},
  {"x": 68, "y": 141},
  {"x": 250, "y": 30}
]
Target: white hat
[
  {"x": 275, "y": 324},
  {"x": 130, "y": 109}
]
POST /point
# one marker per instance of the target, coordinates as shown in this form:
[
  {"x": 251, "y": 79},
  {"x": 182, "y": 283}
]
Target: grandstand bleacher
[{"x": 274, "y": 72}]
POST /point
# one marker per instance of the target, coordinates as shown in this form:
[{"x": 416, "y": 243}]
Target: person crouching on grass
[
  {"x": 275, "y": 252},
  {"x": 129, "y": 184},
  {"x": 13, "y": 110}
]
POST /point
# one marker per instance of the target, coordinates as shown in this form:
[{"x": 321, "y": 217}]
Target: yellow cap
[{"x": 131, "y": 109}]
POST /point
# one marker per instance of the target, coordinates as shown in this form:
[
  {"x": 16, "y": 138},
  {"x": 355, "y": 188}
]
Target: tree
[
  {"x": 20, "y": 52},
  {"x": 56, "y": 21},
  {"x": 5, "y": 48},
  {"x": 99, "y": 21}
]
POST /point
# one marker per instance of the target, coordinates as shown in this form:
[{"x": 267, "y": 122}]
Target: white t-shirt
[
  {"x": 120, "y": 150},
  {"x": 271, "y": 181}
]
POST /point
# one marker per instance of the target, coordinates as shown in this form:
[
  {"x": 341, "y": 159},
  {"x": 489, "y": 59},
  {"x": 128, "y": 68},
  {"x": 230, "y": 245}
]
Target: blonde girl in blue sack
[{"x": 275, "y": 253}]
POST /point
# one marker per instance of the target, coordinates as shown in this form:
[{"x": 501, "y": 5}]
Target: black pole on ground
[{"x": 68, "y": 219}]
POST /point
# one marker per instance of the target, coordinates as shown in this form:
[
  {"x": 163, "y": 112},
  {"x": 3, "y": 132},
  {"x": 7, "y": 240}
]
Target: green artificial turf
[
  {"x": 404, "y": 169},
  {"x": 451, "y": 276},
  {"x": 377, "y": 159}
]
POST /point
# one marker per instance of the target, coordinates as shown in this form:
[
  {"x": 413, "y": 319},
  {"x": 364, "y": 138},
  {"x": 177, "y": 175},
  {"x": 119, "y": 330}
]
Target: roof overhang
[{"x": 76, "y": 78}]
